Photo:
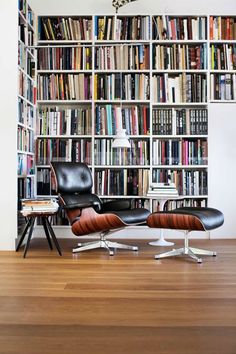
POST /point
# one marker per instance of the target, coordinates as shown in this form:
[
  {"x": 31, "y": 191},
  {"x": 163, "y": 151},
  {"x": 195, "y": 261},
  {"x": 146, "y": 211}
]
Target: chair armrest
[
  {"x": 81, "y": 205},
  {"x": 116, "y": 205},
  {"x": 76, "y": 201}
]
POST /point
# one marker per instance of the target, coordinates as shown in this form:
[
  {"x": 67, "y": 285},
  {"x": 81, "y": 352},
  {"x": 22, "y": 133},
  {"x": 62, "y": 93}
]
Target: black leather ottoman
[{"x": 187, "y": 219}]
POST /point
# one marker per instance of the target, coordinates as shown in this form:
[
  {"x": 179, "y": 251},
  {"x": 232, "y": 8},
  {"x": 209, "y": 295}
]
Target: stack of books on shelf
[
  {"x": 162, "y": 190},
  {"x": 39, "y": 206}
]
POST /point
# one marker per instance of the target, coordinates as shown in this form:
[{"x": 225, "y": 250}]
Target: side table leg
[
  {"x": 23, "y": 234},
  {"x": 161, "y": 241},
  {"x": 53, "y": 236},
  {"x": 47, "y": 232},
  {"x": 29, "y": 236}
]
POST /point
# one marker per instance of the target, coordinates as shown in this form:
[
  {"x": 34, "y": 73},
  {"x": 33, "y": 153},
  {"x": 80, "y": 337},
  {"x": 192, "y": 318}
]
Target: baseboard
[{"x": 140, "y": 232}]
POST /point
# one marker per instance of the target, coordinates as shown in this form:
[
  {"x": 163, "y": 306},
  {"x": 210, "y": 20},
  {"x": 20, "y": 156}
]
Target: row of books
[
  {"x": 39, "y": 205},
  {"x": 25, "y": 165},
  {"x": 62, "y": 121},
  {"x": 65, "y": 87},
  {"x": 31, "y": 67},
  {"x": 65, "y": 58},
  {"x": 22, "y": 7},
  {"x": 25, "y": 187},
  {"x": 22, "y": 32},
  {"x": 124, "y": 28},
  {"x": 30, "y": 17},
  {"x": 25, "y": 113},
  {"x": 180, "y": 57},
  {"x": 121, "y": 86},
  {"x": 179, "y": 121},
  {"x": 137, "y": 154},
  {"x": 187, "y": 203},
  {"x": 179, "y": 88},
  {"x": 48, "y": 150},
  {"x": 162, "y": 189},
  {"x": 135, "y": 28},
  {"x": 187, "y": 182},
  {"x": 21, "y": 55},
  {"x": 25, "y": 87},
  {"x": 223, "y": 57},
  {"x": 180, "y": 152},
  {"x": 183, "y": 28},
  {"x": 121, "y": 182},
  {"x": 223, "y": 87},
  {"x": 25, "y": 139},
  {"x": 110, "y": 118},
  {"x": 222, "y": 28},
  {"x": 65, "y": 28},
  {"x": 122, "y": 57},
  {"x": 45, "y": 182}
]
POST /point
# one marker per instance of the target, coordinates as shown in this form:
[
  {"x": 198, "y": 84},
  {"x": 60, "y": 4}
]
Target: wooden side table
[{"x": 32, "y": 216}]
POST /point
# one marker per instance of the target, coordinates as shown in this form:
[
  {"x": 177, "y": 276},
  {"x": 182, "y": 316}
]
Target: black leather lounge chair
[{"x": 86, "y": 212}]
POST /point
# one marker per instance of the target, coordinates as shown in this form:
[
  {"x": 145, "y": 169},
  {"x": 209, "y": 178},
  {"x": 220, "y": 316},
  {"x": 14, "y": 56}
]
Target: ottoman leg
[
  {"x": 203, "y": 252},
  {"x": 172, "y": 253}
]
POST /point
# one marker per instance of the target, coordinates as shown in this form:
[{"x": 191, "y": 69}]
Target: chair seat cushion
[
  {"x": 133, "y": 216},
  {"x": 187, "y": 219}
]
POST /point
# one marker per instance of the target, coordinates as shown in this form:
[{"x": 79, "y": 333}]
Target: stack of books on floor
[
  {"x": 39, "y": 206},
  {"x": 162, "y": 189}
]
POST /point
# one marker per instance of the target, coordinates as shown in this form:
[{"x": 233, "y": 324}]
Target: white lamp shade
[{"x": 121, "y": 140}]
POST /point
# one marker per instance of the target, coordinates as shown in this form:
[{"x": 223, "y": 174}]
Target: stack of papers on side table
[
  {"x": 162, "y": 189},
  {"x": 39, "y": 206}
]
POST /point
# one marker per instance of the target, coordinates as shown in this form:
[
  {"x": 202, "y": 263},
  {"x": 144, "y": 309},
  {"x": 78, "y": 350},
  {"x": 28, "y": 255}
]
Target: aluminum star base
[
  {"x": 103, "y": 243},
  {"x": 186, "y": 251}
]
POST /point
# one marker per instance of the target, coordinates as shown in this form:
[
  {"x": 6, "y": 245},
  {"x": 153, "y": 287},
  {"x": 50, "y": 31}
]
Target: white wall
[
  {"x": 222, "y": 165},
  {"x": 8, "y": 117},
  {"x": 140, "y": 6}
]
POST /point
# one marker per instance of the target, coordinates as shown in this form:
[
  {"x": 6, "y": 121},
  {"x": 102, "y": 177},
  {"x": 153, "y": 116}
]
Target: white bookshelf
[
  {"x": 150, "y": 42},
  {"x": 26, "y": 104}
]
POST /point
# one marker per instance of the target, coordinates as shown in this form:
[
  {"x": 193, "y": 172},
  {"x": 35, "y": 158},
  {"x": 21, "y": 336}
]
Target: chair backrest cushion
[{"x": 72, "y": 177}]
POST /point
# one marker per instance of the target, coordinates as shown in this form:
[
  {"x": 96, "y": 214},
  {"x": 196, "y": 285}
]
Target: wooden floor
[{"x": 127, "y": 304}]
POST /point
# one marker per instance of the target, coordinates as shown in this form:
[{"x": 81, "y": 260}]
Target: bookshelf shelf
[
  {"x": 25, "y": 126},
  {"x": 65, "y": 136},
  {"x": 180, "y": 41},
  {"x": 179, "y": 104},
  {"x": 124, "y": 42},
  {"x": 181, "y": 166},
  {"x": 62, "y": 42},
  {"x": 26, "y": 100},
  {"x": 26, "y": 176},
  {"x": 121, "y": 71},
  {"x": 22, "y": 152},
  {"x": 122, "y": 101},
  {"x": 223, "y": 71},
  {"x": 25, "y": 73},
  {"x": 129, "y": 136},
  {"x": 222, "y": 101},
  {"x": 223, "y": 41},
  {"x": 190, "y": 136}
]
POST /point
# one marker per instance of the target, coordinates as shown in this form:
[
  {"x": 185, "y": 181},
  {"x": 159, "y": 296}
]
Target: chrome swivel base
[
  {"x": 187, "y": 251},
  {"x": 103, "y": 243}
]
